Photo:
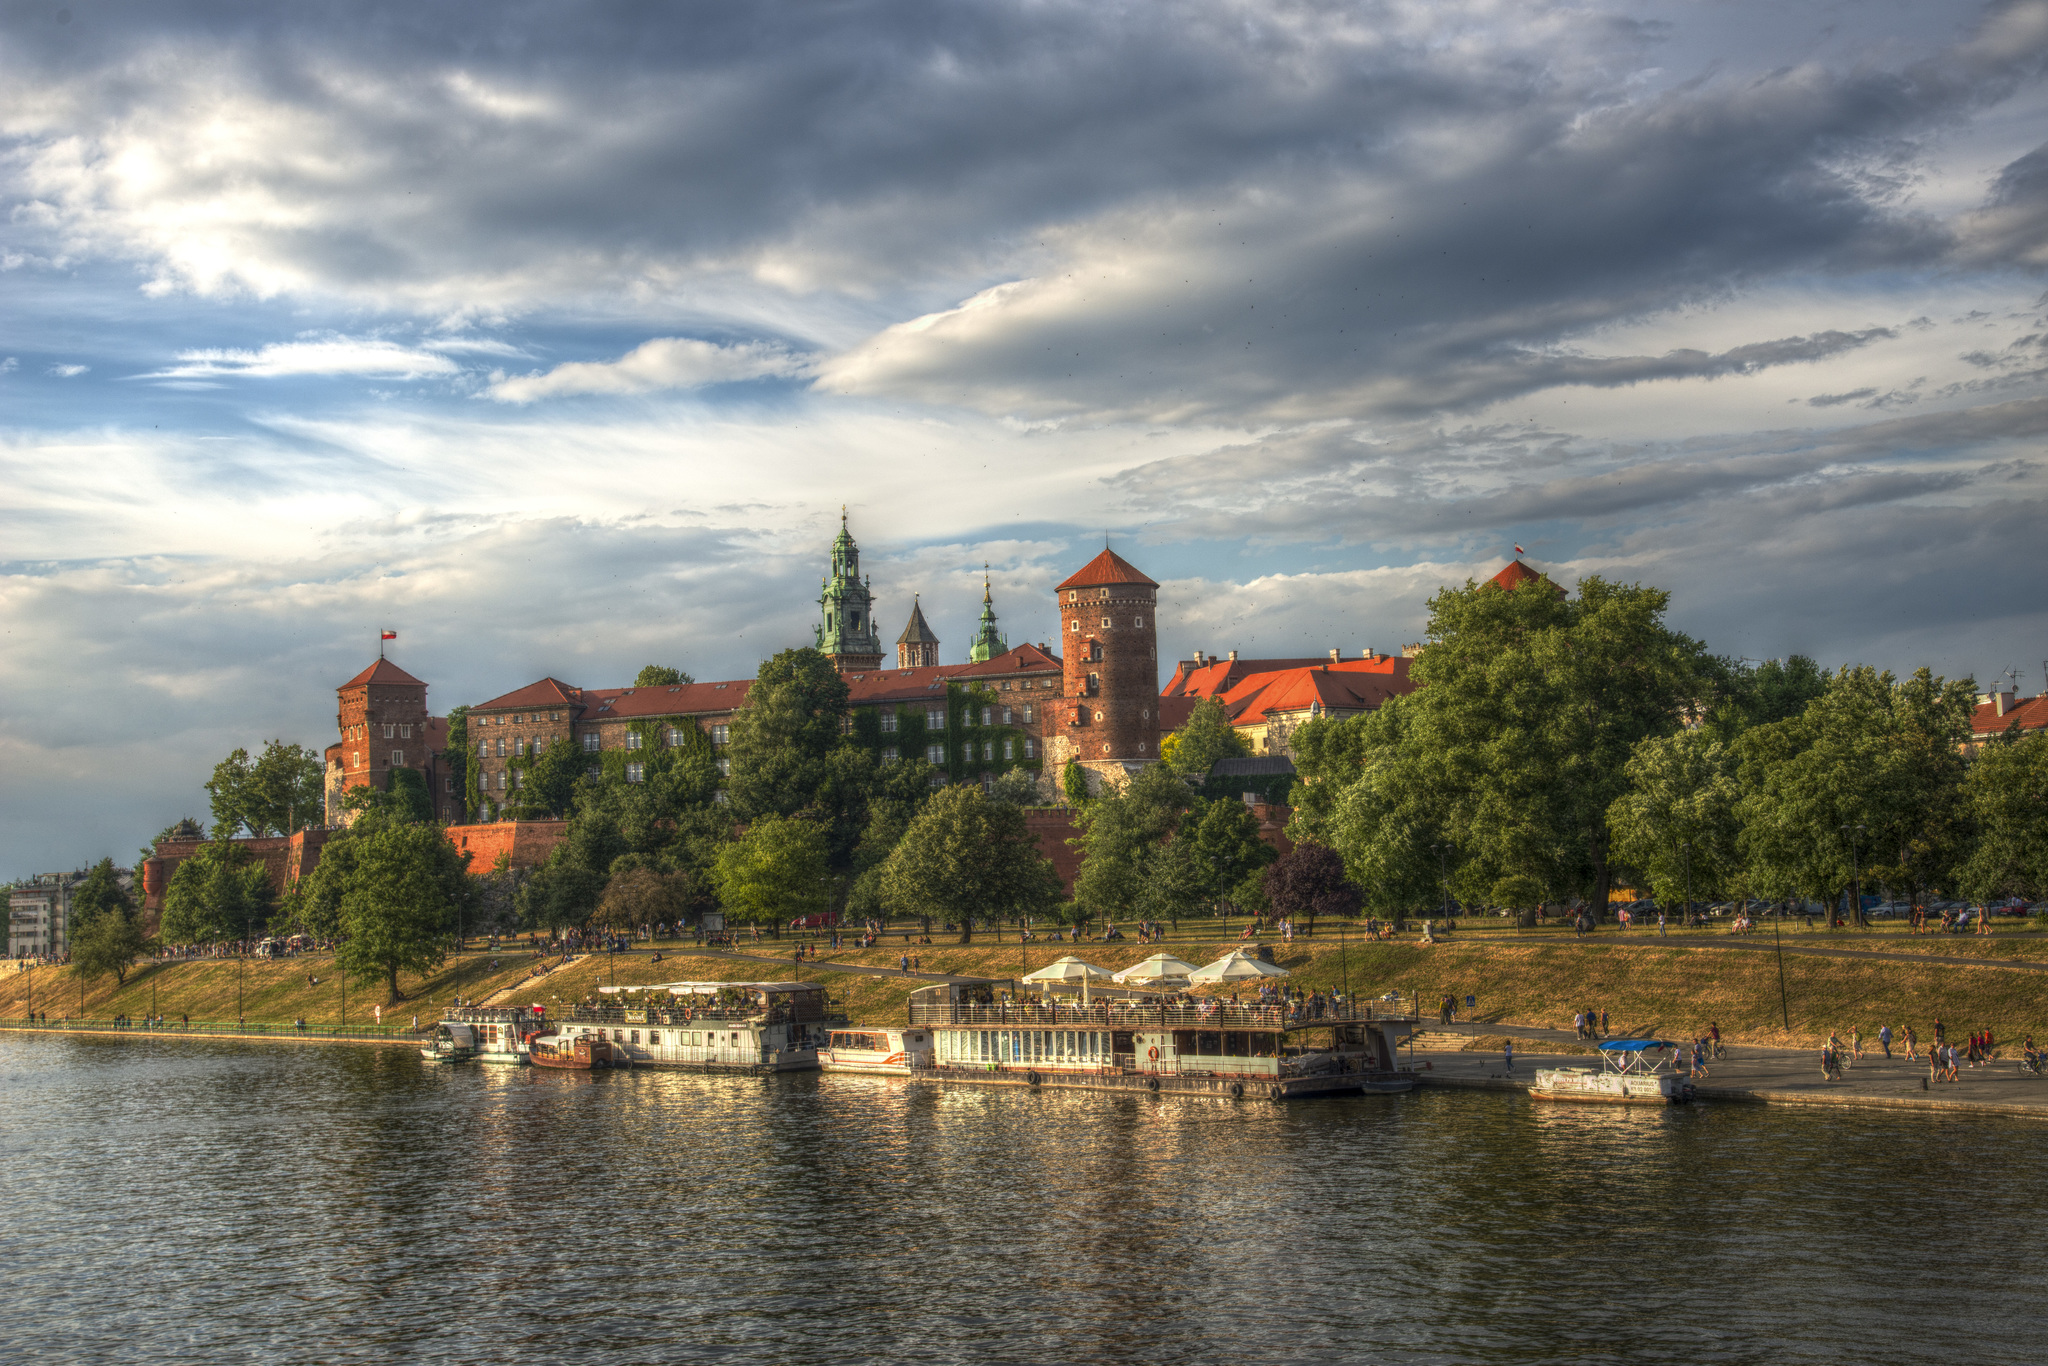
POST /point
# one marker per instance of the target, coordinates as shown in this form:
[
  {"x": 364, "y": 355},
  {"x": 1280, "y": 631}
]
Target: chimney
[
  {"x": 1333, "y": 656},
  {"x": 1367, "y": 653},
  {"x": 1998, "y": 701},
  {"x": 1233, "y": 656},
  {"x": 1198, "y": 659}
]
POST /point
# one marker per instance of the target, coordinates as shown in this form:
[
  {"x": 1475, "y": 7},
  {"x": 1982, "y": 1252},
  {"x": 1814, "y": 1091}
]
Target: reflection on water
[{"x": 178, "y": 1201}]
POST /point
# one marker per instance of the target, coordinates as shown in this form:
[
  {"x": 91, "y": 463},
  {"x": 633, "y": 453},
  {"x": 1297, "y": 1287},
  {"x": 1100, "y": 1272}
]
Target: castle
[{"x": 1096, "y": 701}]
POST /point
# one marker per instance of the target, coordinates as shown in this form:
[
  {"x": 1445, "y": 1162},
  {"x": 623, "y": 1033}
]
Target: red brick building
[
  {"x": 1108, "y": 717},
  {"x": 385, "y": 725}
]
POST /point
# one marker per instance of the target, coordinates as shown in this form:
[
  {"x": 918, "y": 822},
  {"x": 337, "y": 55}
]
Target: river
[{"x": 226, "y": 1202}]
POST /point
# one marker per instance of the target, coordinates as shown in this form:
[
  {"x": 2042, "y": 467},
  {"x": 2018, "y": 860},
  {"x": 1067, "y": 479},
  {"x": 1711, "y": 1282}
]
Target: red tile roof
[
  {"x": 1333, "y": 688},
  {"x": 2032, "y": 714},
  {"x": 1218, "y": 676},
  {"x": 549, "y": 692},
  {"x": 1517, "y": 574},
  {"x": 680, "y": 699},
  {"x": 383, "y": 671},
  {"x": 1020, "y": 659},
  {"x": 1108, "y": 567}
]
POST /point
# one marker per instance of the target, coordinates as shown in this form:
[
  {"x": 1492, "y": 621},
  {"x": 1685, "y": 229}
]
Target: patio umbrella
[
  {"x": 1235, "y": 966},
  {"x": 1160, "y": 967},
  {"x": 1069, "y": 970}
]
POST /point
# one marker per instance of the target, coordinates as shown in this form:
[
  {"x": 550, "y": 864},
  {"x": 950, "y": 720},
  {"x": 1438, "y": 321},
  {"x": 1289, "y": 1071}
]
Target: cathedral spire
[
  {"x": 847, "y": 634},
  {"x": 988, "y": 642}
]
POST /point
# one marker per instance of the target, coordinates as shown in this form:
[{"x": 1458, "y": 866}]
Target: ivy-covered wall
[{"x": 914, "y": 735}]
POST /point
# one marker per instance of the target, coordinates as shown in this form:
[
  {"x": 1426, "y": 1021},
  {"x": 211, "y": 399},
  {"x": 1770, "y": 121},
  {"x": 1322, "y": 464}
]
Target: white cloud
[
  {"x": 69, "y": 371},
  {"x": 663, "y": 363},
  {"x": 368, "y": 358}
]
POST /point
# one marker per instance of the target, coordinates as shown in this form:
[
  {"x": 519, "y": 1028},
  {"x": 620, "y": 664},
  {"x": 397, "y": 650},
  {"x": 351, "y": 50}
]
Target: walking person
[
  {"x": 1660, "y": 922},
  {"x": 1912, "y": 1044},
  {"x": 1884, "y": 1039},
  {"x": 1603, "y": 1023},
  {"x": 1714, "y": 1033},
  {"x": 1507, "y": 1050}
]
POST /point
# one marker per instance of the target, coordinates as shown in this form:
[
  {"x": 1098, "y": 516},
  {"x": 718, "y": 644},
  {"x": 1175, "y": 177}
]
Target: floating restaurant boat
[
  {"x": 579, "y": 1054},
  {"x": 884, "y": 1052},
  {"x": 1632, "y": 1072},
  {"x": 1160, "y": 1044}
]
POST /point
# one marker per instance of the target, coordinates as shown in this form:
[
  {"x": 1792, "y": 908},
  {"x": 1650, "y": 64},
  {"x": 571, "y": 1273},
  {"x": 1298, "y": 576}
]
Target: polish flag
[
  {"x": 1518, "y": 551},
  {"x": 389, "y": 635}
]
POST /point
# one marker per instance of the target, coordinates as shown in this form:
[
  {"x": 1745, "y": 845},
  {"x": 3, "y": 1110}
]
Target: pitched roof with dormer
[
  {"x": 2032, "y": 714},
  {"x": 667, "y": 699},
  {"x": 1328, "y": 688},
  {"x": 383, "y": 671},
  {"x": 548, "y": 692},
  {"x": 1106, "y": 568}
]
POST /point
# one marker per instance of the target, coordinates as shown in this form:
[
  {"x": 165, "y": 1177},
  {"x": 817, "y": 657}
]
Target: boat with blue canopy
[{"x": 1632, "y": 1072}]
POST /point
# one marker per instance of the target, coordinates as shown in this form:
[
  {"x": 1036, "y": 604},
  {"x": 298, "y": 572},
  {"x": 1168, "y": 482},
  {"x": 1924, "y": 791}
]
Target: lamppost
[
  {"x": 1685, "y": 851},
  {"x": 1443, "y": 877},
  {"x": 1855, "y": 869},
  {"x": 1778, "y": 941}
]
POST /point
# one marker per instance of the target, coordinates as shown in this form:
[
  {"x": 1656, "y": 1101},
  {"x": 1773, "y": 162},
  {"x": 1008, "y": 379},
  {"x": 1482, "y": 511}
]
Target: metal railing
[
  {"x": 1157, "y": 1015},
  {"x": 223, "y": 1029}
]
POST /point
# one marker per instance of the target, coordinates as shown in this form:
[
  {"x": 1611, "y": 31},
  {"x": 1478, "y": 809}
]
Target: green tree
[
  {"x": 1508, "y": 756},
  {"x": 1677, "y": 821},
  {"x": 1225, "y": 840},
  {"x": 1017, "y": 786},
  {"x": 2006, "y": 791},
  {"x": 1867, "y": 781},
  {"x": 220, "y": 893},
  {"x": 1778, "y": 690},
  {"x": 1204, "y": 738},
  {"x": 100, "y": 893},
  {"x": 278, "y": 792},
  {"x": 1122, "y": 834},
  {"x": 401, "y": 898},
  {"x": 560, "y": 895},
  {"x": 459, "y": 760},
  {"x": 965, "y": 856},
  {"x": 782, "y": 739},
  {"x": 1309, "y": 880},
  {"x": 1074, "y": 783},
  {"x": 110, "y": 942},
  {"x": 643, "y": 896},
  {"x": 777, "y": 870},
  {"x": 547, "y": 782},
  {"x": 660, "y": 676}
]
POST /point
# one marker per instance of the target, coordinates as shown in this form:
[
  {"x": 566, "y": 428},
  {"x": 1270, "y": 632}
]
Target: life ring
[
  {"x": 1032, "y": 1078},
  {"x": 1153, "y": 1054},
  {"x": 1237, "y": 1090},
  {"x": 1152, "y": 1083},
  {"x": 1275, "y": 1093}
]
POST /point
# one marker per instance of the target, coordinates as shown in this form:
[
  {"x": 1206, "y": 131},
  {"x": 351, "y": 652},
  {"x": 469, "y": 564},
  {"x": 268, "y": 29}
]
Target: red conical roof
[
  {"x": 383, "y": 671},
  {"x": 1108, "y": 567}
]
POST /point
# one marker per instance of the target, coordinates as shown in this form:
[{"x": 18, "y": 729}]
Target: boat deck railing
[{"x": 1161, "y": 1015}]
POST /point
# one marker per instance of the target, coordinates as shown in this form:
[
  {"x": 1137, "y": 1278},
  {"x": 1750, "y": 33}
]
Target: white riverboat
[
  {"x": 502, "y": 1034},
  {"x": 1632, "y": 1072},
  {"x": 884, "y": 1052},
  {"x": 452, "y": 1042}
]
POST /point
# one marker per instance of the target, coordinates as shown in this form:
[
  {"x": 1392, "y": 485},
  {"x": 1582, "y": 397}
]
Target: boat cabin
[{"x": 710, "y": 1026}]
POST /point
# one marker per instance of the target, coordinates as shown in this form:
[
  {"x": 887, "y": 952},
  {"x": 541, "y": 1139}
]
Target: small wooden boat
[
  {"x": 581, "y": 1055},
  {"x": 1632, "y": 1072}
]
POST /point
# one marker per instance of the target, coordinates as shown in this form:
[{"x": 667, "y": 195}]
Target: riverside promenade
[{"x": 1767, "y": 1076}]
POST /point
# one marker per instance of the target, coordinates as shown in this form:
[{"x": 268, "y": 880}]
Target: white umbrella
[
  {"x": 1159, "y": 967},
  {"x": 1068, "y": 969},
  {"x": 1235, "y": 966}
]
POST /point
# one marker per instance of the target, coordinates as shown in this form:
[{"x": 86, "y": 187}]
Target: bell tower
[
  {"x": 1108, "y": 717},
  {"x": 918, "y": 646},
  {"x": 847, "y": 636},
  {"x": 988, "y": 642}
]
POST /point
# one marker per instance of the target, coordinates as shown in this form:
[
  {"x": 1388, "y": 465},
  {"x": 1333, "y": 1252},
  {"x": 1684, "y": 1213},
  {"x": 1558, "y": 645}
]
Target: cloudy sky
[{"x": 554, "y": 335}]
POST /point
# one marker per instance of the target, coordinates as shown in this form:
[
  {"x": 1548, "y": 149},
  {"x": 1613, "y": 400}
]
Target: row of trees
[{"x": 1562, "y": 744}]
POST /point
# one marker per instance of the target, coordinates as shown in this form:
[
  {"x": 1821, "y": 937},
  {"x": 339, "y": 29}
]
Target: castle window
[
  {"x": 398, "y": 758},
  {"x": 519, "y": 748},
  {"x": 720, "y": 734},
  {"x": 632, "y": 739},
  {"x": 888, "y": 720},
  {"x": 889, "y": 755},
  {"x": 636, "y": 773},
  {"x": 1137, "y": 621},
  {"x": 518, "y": 779},
  {"x": 720, "y": 796},
  {"x": 501, "y": 746},
  {"x": 1027, "y": 713},
  {"x": 1094, "y": 682},
  {"x": 1009, "y": 749},
  {"x": 501, "y": 782},
  {"x": 451, "y": 782},
  {"x": 1030, "y": 748},
  {"x": 1105, "y": 623},
  {"x": 390, "y": 731},
  {"x": 935, "y": 718},
  {"x": 405, "y": 732},
  {"x": 1141, "y": 746},
  {"x": 556, "y": 716},
  {"x": 1074, "y": 596},
  {"x": 986, "y": 712},
  {"x": 938, "y": 781},
  {"x": 1006, "y": 716},
  {"x": 724, "y": 767},
  {"x": 988, "y": 751},
  {"x": 589, "y": 742},
  {"x": 355, "y": 759},
  {"x": 935, "y": 754},
  {"x": 1074, "y": 625}
]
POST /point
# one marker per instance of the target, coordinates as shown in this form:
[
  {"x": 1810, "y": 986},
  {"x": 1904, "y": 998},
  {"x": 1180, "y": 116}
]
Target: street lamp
[
  {"x": 1685, "y": 852},
  {"x": 1443, "y": 877}
]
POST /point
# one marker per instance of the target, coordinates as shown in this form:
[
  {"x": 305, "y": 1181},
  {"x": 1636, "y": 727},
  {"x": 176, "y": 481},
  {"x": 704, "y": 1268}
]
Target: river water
[{"x": 224, "y": 1202}]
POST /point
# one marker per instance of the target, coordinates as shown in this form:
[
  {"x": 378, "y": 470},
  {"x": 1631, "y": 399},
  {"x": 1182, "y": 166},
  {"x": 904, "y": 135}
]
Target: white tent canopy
[
  {"x": 1235, "y": 966},
  {"x": 1160, "y": 967},
  {"x": 1068, "y": 969}
]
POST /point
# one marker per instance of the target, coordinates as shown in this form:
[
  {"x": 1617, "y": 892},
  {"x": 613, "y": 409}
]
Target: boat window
[
  {"x": 1234, "y": 1045},
  {"x": 653, "y": 1037},
  {"x": 1262, "y": 1045},
  {"x": 1184, "y": 1042}
]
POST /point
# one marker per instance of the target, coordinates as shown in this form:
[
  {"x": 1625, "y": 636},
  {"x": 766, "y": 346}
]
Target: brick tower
[
  {"x": 918, "y": 646},
  {"x": 384, "y": 725},
  {"x": 1108, "y": 714}
]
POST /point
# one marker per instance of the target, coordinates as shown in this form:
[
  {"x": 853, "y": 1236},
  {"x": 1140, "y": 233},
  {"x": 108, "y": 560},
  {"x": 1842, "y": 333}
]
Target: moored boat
[
  {"x": 579, "y": 1053},
  {"x": 1632, "y": 1072},
  {"x": 500, "y": 1032},
  {"x": 452, "y": 1042},
  {"x": 885, "y": 1052}
]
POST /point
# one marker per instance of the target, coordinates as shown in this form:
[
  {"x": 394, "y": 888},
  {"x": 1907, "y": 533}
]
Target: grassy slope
[{"x": 1533, "y": 982}]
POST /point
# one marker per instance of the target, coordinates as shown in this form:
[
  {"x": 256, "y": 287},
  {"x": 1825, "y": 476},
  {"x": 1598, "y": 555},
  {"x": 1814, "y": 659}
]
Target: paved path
[
  {"x": 785, "y": 961},
  {"x": 1781, "y": 1076},
  {"x": 1643, "y": 939}
]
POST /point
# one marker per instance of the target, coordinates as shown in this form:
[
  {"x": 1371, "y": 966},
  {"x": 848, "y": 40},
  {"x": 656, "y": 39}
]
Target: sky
[{"x": 554, "y": 336}]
